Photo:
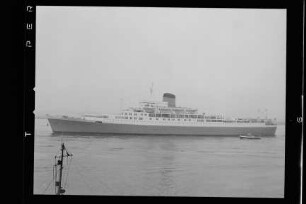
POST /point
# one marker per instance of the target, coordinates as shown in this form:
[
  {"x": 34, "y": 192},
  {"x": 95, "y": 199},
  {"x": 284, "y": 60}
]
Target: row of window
[
  {"x": 176, "y": 116},
  {"x": 165, "y": 115},
  {"x": 214, "y": 120},
  {"x": 179, "y": 119},
  {"x": 164, "y": 119},
  {"x": 136, "y": 114}
]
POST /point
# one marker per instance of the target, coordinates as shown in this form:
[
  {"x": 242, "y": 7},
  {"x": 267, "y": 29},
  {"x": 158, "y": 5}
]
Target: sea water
[{"x": 142, "y": 165}]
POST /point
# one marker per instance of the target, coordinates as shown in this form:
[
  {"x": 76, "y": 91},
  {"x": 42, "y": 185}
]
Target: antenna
[
  {"x": 121, "y": 103},
  {"x": 266, "y": 113},
  {"x": 151, "y": 90},
  {"x": 258, "y": 113}
]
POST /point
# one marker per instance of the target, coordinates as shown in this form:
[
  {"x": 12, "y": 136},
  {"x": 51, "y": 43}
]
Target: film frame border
[{"x": 294, "y": 92}]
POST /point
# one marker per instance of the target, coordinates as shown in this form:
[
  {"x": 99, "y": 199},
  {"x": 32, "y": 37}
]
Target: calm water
[{"x": 162, "y": 165}]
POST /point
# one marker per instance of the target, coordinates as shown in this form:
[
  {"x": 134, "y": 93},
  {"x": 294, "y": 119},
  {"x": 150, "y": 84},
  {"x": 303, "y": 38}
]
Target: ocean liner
[{"x": 162, "y": 118}]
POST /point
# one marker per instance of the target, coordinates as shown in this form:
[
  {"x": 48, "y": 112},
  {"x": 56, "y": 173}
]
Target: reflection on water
[{"x": 162, "y": 165}]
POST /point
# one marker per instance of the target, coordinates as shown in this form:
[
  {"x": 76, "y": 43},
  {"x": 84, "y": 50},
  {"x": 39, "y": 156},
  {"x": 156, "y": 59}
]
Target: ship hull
[{"x": 76, "y": 126}]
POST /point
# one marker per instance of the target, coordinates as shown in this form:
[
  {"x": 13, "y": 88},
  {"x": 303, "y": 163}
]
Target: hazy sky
[{"x": 98, "y": 60}]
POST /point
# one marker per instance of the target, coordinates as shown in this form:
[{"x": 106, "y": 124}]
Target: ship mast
[
  {"x": 59, "y": 165},
  {"x": 151, "y": 90}
]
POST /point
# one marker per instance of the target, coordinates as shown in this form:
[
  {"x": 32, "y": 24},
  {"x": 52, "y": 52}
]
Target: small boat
[{"x": 249, "y": 136}]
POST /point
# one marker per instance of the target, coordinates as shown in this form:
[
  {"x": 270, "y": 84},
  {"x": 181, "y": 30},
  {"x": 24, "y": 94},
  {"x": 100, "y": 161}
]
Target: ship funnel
[{"x": 170, "y": 98}]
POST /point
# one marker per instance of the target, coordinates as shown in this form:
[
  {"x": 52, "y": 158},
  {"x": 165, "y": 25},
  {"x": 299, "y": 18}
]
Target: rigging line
[
  {"x": 55, "y": 176},
  {"x": 105, "y": 185},
  {"x": 48, "y": 186},
  {"x": 78, "y": 171},
  {"x": 52, "y": 180},
  {"x": 84, "y": 181},
  {"x": 67, "y": 172},
  {"x": 54, "y": 170},
  {"x": 53, "y": 173},
  {"x": 67, "y": 152}
]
